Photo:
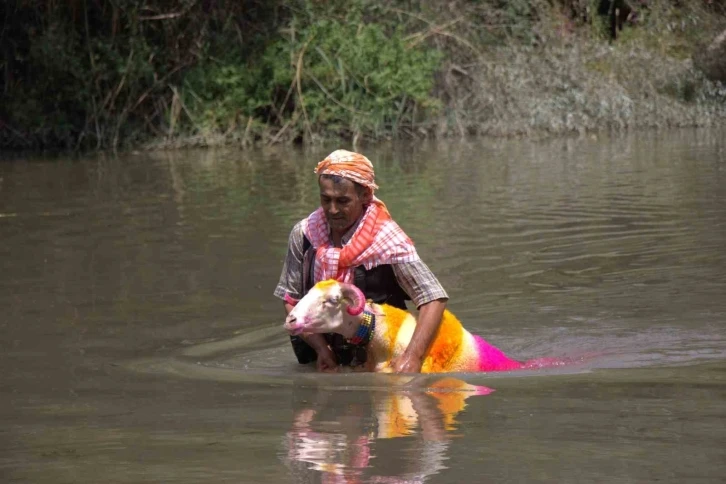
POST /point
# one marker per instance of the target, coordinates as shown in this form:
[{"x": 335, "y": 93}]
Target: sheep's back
[{"x": 451, "y": 350}]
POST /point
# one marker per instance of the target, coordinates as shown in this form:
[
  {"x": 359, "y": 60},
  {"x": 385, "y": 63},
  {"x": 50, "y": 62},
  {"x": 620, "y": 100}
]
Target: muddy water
[{"x": 141, "y": 343}]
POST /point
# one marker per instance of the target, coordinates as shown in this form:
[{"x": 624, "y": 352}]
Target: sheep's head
[{"x": 321, "y": 310}]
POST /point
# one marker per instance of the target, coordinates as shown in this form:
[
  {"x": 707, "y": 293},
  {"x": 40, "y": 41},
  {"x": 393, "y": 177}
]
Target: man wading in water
[{"x": 352, "y": 238}]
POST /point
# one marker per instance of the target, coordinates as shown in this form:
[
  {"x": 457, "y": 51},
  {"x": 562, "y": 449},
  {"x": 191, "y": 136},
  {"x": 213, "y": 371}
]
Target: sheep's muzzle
[{"x": 293, "y": 326}]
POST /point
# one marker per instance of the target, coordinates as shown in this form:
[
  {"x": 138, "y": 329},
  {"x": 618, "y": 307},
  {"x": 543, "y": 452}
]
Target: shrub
[{"x": 328, "y": 75}]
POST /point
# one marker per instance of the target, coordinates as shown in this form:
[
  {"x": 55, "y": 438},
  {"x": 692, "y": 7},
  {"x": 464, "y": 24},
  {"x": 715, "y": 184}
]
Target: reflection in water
[{"x": 338, "y": 434}]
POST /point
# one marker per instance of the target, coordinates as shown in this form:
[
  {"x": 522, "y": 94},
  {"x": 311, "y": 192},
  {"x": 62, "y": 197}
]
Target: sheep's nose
[{"x": 291, "y": 324}]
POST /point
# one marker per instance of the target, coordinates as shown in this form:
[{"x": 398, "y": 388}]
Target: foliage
[
  {"x": 109, "y": 73},
  {"x": 92, "y": 74},
  {"x": 330, "y": 74}
]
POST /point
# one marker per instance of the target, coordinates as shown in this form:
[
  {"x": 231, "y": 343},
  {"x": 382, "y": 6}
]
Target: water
[{"x": 141, "y": 343}]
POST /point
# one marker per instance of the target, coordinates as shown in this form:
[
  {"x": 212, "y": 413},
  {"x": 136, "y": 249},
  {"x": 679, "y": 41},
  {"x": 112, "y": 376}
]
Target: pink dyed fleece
[{"x": 492, "y": 358}]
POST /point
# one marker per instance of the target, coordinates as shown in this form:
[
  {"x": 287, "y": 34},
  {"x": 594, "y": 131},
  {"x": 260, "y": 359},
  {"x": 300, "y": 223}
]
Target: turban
[{"x": 346, "y": 164}]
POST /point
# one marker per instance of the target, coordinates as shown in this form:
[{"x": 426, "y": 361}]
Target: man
[{"x": 352, "y": 238}]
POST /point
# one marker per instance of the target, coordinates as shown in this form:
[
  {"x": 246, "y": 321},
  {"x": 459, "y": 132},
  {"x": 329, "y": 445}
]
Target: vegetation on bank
[{"x": 98, "y": 74}]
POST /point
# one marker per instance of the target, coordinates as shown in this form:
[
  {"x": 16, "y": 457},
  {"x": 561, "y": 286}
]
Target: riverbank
[{"x": 297, "y": 72}]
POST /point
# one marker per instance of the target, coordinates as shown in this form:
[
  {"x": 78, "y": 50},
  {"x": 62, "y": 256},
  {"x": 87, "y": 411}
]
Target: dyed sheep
[{"x": 334, "y": 307}]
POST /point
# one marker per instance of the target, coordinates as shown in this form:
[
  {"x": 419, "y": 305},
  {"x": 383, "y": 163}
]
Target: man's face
[{"x": 341, "y": 202}]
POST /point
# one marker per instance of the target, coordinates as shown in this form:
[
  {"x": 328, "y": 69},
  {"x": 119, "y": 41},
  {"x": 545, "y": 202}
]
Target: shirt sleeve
[
  {"x": 292, "y": 269},
  {"x": 419, "y": 282}
]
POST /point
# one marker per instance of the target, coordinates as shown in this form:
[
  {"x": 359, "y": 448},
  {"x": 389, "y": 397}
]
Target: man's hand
[
  {"x": 406, "y": 364},
  {"x": 326, "y": 360}
]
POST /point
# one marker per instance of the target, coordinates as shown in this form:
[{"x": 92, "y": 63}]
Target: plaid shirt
[
  {"x": 415, "y": 278},
  {"x": 376, "y": 241}
]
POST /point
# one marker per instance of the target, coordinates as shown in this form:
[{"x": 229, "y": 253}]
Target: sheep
[{"x": 336, "y": 307}]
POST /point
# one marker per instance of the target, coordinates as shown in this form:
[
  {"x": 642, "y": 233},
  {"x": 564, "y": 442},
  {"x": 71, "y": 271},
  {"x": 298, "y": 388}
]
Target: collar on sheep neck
[{"x": 364, "y": 335}]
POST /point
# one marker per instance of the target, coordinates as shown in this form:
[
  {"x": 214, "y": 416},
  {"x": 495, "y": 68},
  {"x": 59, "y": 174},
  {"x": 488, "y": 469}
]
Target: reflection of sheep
[
  {"x": 340, "y": 434},
  {"x": 387, "y": 331}
]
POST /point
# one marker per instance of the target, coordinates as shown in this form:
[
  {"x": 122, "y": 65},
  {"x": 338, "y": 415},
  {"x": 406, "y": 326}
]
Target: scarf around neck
[{"x": 378, "y": 240}]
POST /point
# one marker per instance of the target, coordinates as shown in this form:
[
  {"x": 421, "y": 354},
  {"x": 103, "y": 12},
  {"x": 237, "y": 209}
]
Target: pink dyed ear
[
  {"x": 290, "y": 300},
  {"x": 352, "y": 292}
]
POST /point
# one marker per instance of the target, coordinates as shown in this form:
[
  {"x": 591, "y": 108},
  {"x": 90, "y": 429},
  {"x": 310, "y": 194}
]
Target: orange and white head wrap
[{"x": 350, "y": 165}]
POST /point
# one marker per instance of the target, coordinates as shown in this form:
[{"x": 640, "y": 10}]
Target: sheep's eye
[{"x": 334, "y": 300}]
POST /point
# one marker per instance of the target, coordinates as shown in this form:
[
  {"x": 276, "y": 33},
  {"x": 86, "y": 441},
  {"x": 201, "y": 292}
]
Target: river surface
[{"x": 141, "y": 341}]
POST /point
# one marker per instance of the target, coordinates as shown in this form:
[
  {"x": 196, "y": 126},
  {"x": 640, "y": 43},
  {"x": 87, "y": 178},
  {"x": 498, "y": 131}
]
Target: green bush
[
  {"x": 106, "y": 73},
  {"x": 326, "y": 76}
]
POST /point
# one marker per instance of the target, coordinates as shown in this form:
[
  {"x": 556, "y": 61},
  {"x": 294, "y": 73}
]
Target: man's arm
[
  {"x": 292, "y": 269},
  {"x": 427, "y": 294},
  {"x": 326, "y": 358},
  {"x": 427, "y": 324},
  {"x": 291, "y": 283}
]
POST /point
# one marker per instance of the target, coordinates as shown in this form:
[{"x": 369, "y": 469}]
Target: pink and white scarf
[{"x": 378, "y": 240}]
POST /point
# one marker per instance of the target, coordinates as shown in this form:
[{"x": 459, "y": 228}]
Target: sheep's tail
[{"x": 492, "y": 358}]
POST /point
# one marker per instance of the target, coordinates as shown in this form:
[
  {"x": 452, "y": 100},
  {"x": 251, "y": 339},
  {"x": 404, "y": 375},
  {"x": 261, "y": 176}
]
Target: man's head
[
  {"x": 347, "y": 182},
  {"x": 343, "y": 201}
]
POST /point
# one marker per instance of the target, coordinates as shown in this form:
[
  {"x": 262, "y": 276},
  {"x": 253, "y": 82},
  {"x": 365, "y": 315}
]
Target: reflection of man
[
  {"x": 346, "y": 435},
  {"x": 352, "y": 238}
]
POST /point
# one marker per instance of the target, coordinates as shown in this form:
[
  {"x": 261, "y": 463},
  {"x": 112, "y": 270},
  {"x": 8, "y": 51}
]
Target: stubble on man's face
[{"x": 341, "y": 203}]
